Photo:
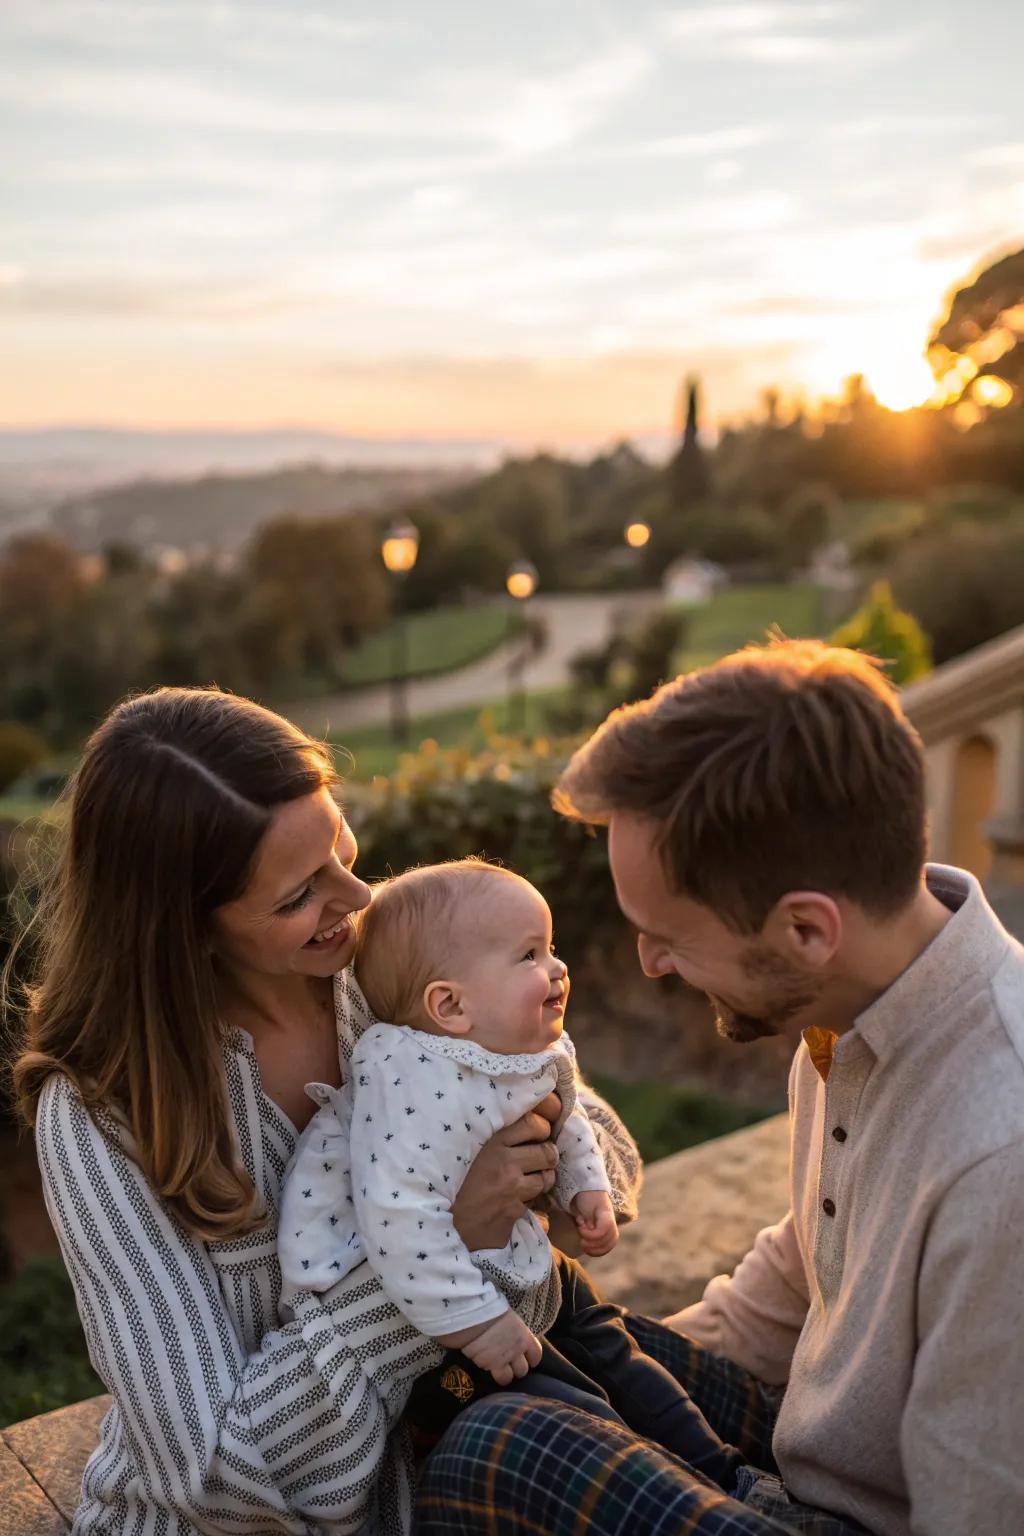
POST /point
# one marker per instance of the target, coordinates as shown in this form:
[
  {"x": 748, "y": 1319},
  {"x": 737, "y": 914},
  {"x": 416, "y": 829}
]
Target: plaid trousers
[{"x": 518, "y": 1466}]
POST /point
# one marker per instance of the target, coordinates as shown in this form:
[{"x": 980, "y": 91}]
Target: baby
[
  {"x": 459, "y": 959},
  {"x": 479, "y": 1000}
]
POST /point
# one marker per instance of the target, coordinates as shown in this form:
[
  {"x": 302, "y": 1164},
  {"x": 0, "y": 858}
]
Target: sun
[{"x": 900, "y": 383}]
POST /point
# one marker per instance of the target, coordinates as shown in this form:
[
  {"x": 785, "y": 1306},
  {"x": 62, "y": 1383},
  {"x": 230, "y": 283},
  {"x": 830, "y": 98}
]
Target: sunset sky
[{"x": 479, "y": 219}]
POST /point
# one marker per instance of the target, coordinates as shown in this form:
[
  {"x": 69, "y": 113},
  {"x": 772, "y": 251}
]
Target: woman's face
[{"x": 294, "y": 916}]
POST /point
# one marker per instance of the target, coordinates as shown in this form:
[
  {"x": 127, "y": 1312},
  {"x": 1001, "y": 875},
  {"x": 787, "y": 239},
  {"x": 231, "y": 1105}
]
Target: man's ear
[
  {"x": 807, "y": 926},
  {"x": 442, "y": 1006}
]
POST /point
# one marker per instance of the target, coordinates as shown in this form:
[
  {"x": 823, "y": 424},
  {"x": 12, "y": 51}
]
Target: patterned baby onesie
[{"x": 379, "y": 1165}]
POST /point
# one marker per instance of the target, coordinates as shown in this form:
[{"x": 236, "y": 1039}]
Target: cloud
[
  {"x": 783, "y": 34},
  {"x": 716, "y": 22},
  {"x": 146, "y": 299},
  {"x": 746, "y": 213},
  {"x": 788, "y": 48},
  {"x": 715, "y": 141},
  {"x": 551, "y": 110},
  {"x": 786, "y": 304},
  {"x": 999, "y": 156}
]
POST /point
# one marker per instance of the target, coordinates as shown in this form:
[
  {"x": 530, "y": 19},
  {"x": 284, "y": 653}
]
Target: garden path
[{"x": 572, "y": 623}]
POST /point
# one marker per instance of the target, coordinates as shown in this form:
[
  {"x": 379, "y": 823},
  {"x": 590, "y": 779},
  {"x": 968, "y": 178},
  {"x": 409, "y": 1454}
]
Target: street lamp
[
  {"x": 399, "y": 548},
  {"x": 637, "y": 534},
  {"x": 521, "y": 584}
]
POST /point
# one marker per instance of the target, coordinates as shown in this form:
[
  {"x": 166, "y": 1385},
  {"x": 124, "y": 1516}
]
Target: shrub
[
  {"x": 21, "y": 748},
  {"x": 883, "y": 630},
  {"x": 43, "y": 1359},
  {"x": 964, "y": 586},
  {"x": 444, "y": 804}
]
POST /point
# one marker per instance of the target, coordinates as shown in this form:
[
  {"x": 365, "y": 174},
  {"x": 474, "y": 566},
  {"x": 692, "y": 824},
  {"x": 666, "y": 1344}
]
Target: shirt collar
[{"x": 968, "y": 949}]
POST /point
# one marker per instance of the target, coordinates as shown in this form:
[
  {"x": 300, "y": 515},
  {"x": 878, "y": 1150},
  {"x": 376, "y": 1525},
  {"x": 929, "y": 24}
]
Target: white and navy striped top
[{"x": 225, "y": 1419}]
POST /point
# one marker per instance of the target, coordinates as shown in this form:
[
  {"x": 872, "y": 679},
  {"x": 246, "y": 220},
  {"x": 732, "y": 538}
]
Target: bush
[
  {"x": 43, "y": 1359},
  {"x": 964, "y": 586},
  {"x": 668, "y": 1117},
  {"x": 444, "y": 804},
  {"x": 885, "y": 631},
  {"x": 21, "y": 748}
]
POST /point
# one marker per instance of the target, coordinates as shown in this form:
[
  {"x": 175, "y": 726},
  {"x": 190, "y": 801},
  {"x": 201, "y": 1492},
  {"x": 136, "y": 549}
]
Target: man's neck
[{"x": 875, "y": 954}]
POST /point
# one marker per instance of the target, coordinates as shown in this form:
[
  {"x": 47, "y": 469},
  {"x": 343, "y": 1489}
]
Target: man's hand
[
  {"x": 595, "y": 1222},
  {"x": 515, "y": 1166},
  {"x": 506, "y": 1348}
]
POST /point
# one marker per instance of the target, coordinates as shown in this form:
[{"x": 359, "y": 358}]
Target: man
[{"x": 766, "y": 829}]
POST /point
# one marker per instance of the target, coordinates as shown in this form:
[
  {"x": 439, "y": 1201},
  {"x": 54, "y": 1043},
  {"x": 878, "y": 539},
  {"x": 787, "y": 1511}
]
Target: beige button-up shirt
[{"x": 891, "y": 1296}]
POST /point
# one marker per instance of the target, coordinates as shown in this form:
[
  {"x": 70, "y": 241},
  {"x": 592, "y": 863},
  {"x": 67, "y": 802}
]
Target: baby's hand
[
  {"x": 595, "y": 1222},
  {"x": 506, "y": 1348}
]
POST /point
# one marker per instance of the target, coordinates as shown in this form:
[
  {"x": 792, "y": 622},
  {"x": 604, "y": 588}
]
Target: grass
[
  {"x": 470, "y": 725},
  {"x": 439, "y": 641},
  {"x": 740, "y": 614},
  {"x": 668, "y": 1117}
]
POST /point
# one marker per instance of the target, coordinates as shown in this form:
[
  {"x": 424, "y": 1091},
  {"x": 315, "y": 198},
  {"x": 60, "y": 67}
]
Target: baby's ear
[{"x": 443, "y": 1008}]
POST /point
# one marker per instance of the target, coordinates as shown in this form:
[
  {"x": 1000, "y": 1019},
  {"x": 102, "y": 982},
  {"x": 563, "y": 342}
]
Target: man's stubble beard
[{"x": 788, "y": 992}]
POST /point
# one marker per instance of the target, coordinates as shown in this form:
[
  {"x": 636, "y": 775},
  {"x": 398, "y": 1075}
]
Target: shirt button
[
  {"x": 829, "y": 1207},
  {"x": 839, "y": 1133}
]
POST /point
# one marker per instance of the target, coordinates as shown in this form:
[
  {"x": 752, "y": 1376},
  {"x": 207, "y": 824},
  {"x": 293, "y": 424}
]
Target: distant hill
[
  {"x": 219, "y": 512},
  {"x": 41, "y": 468}
]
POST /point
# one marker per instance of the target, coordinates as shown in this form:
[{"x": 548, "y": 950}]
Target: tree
[
  {"x": 688, "y": 474},
  {"x": 806, "y": 518},
  {"x": 985, "y": 325},
  {"x": 329, "y": 584},
  {"x": 885, "y": 631}
]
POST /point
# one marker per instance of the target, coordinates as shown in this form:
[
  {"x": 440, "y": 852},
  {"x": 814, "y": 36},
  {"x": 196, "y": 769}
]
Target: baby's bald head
[{"x": 418, "y": 928}]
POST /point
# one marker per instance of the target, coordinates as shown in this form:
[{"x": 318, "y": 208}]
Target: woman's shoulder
[{"x": 64, "y": 1119}]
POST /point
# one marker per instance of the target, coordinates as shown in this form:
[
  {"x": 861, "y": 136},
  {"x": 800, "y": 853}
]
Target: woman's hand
[{"x": 514, "y": 1167}]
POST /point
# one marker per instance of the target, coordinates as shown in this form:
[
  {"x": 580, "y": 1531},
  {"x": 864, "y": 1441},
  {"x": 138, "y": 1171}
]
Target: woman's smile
[{"x": 329, "y": 937}]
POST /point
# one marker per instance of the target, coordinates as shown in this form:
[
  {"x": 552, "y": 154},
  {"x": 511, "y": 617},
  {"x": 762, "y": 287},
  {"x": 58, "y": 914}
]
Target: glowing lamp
[
  {"x": 400, "y": 547},
  {"x": 637, "y": 534},
  {"x": 521, "y": 580}
]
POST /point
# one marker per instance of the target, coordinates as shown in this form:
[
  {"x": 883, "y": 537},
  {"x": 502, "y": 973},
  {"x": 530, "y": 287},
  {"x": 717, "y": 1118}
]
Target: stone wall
[{"x": 699, "y": 1213}]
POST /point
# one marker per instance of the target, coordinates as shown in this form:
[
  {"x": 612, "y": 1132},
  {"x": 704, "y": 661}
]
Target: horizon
[{"x": 522, "y": 229}]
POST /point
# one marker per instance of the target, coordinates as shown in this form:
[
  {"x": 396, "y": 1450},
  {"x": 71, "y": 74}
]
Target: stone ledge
[
  {"x": 700, "y": 1211},
  {"x": 41, "y": 1466}
]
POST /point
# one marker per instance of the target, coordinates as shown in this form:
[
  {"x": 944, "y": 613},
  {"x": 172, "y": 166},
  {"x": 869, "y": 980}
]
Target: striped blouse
[{"x": 225, "y": 1418}]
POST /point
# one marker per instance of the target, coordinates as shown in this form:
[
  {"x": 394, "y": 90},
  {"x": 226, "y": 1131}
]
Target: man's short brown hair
[{"x": 783, "y": 767}]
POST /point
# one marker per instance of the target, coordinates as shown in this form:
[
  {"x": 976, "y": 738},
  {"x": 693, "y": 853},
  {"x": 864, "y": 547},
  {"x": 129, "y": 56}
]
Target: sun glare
[{"x": 901, "y": 383}]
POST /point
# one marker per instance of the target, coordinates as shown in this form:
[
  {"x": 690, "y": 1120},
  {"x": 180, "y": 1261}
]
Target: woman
[{"x": 186, "y": 988}]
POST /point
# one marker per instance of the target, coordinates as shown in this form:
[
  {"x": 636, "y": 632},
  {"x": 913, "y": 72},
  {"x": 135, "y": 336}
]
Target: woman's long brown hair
[{"x": 173, "y": 794}]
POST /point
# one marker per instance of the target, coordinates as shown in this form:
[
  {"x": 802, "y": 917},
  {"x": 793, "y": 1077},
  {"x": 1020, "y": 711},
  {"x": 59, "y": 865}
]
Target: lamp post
[
  {"x": 399, "y": 548},
  {"x": 521, "y": 584}
]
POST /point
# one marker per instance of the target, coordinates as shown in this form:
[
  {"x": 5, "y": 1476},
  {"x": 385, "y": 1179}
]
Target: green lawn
[
  {"x": 375, "y": 753},
  {"x": 439, "y": 641},
  {"x": 738, "y": 615}
]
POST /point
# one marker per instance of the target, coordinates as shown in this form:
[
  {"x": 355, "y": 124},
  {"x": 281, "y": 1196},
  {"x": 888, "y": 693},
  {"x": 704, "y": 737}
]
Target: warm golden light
[
  {"x": 991, "y": 391},
  {"x": 991, "y": 347},
  {"x": 901, "y": 383},
  {"x": 400, "y": 547},
  {"x": 637, "y": 535},
  {"x": 521, "y": 580},
  {"x": 967, "y": 415}
]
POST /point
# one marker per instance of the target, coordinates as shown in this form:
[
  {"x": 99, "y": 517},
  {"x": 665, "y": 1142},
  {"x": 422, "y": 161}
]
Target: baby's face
[{"x": 512, "y": 985}]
